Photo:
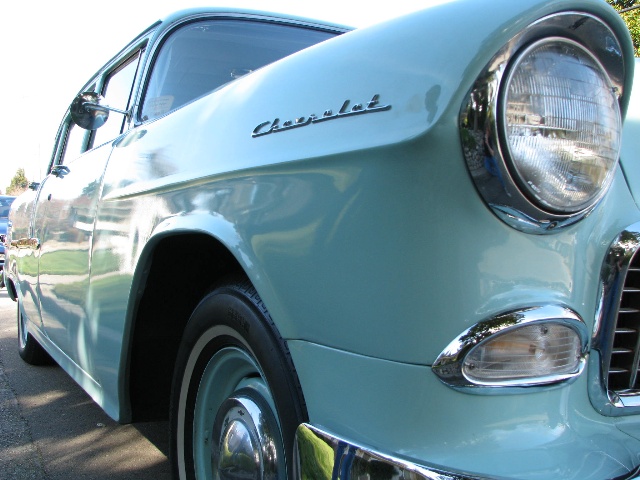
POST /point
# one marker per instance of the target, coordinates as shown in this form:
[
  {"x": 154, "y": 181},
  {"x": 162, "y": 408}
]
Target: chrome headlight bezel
[
  {"x": 482, "y": 126},
  {"x": 450, "y": 364}
]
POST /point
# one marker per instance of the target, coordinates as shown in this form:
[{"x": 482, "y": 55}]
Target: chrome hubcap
[
  {"x": 238, "y": 457},
  {"x": 236, "y": 433},
  {"x": 244, "y": 445}
]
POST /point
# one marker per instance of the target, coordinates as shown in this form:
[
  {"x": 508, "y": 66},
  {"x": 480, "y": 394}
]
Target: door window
[
  {"x": 75, "y": 143},
  {"x": 117, "y": 93}
]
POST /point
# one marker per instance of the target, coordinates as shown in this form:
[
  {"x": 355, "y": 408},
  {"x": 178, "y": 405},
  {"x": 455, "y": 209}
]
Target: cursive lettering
[{"x": 265, "y": 128}]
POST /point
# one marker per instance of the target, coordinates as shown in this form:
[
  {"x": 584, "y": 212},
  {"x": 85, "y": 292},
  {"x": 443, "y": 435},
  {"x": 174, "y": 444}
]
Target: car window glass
[
  {"x": 117, "y": 94},
  {"x": 75, "y": 143},
  {"x": 71, "y": 140},
  {"x": 202, "y": 56}
]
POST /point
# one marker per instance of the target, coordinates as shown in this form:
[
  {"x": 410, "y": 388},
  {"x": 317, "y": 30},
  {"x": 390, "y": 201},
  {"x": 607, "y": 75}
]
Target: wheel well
[{"x": 182, "y": 268}]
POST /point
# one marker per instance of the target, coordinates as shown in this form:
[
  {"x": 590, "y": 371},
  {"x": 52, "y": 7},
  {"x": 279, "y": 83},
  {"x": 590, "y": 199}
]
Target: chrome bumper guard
[{"x": 321, "y": 456}]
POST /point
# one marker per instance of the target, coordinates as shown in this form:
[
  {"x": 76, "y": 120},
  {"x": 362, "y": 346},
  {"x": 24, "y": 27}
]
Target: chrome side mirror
[{"x": 87, "y": 111}]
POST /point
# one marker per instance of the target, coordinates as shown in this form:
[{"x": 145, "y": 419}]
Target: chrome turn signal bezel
[
  {"x": 480, "y": 122},
  {"x": 449, "y": 364}
]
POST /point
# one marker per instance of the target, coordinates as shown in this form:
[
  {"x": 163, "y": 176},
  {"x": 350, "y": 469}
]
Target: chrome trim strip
[
  {"x": 321, "y": 455},
  {"x": 613, "y": 276},
  {"x": 479, "y": 118},
  {"x": 448, "y": 365}
]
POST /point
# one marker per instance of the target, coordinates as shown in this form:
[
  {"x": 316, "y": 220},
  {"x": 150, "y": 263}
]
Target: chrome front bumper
[{"x": 322, "y": 456}]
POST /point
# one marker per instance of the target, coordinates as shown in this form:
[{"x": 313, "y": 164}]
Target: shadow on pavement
[{"x": 51, "y": 429}]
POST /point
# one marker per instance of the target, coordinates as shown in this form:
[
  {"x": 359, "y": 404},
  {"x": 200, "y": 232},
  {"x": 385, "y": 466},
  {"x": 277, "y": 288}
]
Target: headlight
[
  {"x": 561, "y": 124},
  {"x": 523, "y": 348},
  {"x": 541, "y": 126}
]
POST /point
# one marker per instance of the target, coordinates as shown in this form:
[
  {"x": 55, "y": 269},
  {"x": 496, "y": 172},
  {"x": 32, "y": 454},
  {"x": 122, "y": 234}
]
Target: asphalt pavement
[{"x": 50, "y": 429}]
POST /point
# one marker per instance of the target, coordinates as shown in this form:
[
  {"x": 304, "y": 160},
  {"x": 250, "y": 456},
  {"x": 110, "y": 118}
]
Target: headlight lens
[
  {"x": 531, "y": 351},
  {"x": 562, "y": 125}
]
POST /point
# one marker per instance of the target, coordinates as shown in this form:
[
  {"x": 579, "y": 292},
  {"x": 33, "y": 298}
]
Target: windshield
[{"x": 201, "y": 56}]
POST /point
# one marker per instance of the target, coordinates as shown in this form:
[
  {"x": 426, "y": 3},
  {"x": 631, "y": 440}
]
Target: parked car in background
[
  {"x": 5, "y": 204},
  {"x": 404, "y": 251}
]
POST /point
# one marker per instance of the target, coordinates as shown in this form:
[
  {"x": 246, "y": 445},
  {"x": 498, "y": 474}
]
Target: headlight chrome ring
[{"x": 541, "y": 126}]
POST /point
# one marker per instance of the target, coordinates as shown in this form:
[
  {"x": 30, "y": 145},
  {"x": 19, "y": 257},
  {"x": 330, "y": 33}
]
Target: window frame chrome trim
[
  {"x": 613, "y": 276},
  {"x": 448, "y": 365},
  {"x": 513, "y": 206}
]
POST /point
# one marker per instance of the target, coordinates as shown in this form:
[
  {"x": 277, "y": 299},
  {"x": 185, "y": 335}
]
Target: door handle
[{"x": 28, "y": 243}]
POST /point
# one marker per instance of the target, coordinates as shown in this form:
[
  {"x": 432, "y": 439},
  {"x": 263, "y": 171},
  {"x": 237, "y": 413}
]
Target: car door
[
  {"x": 31, "y": 221},
  {"x": 65, "y": 215}
]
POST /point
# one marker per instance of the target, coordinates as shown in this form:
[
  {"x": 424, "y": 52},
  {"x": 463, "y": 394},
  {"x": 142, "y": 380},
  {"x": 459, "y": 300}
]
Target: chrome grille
[
  {"x": 614, "y": 385},
  {"x": 623, "y": 375}
]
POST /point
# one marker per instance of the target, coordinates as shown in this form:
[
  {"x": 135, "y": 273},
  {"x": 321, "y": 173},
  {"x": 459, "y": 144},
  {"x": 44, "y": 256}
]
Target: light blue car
[{"x": 402, "y": 252}]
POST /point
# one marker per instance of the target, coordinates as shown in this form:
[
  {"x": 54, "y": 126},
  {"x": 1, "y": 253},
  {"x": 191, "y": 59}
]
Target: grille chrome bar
[{"x": 617, "y": 332}]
